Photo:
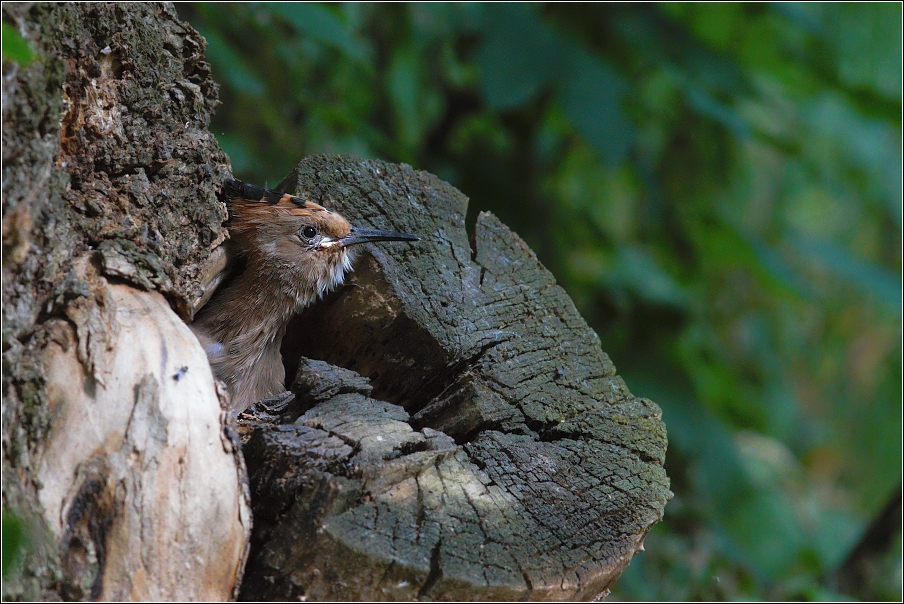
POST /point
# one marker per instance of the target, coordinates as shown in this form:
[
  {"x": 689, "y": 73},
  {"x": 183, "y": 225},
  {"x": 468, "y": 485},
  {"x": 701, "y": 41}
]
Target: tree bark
[
  {"x": 494, "y": 453},
  {"x": 114, "y": 450}
]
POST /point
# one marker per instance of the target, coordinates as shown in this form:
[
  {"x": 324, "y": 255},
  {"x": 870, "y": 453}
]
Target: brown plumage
[{"x": 294, "y": 251}]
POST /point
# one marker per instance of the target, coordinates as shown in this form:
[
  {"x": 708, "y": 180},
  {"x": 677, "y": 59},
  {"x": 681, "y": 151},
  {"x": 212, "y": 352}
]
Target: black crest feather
[{"x": 236, "y": 189}]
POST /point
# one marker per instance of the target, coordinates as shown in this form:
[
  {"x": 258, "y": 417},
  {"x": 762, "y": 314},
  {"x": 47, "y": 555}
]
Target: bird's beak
[{"x": 359, "y": 235}]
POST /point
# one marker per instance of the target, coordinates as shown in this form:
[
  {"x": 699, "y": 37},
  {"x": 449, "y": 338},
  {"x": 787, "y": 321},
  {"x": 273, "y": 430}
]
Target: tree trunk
[{"x": 114, "y": 451}]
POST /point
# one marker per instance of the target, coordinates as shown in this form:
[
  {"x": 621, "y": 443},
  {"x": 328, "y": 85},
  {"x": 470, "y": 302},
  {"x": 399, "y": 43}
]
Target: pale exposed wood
[{"x": 138, "y": 480}]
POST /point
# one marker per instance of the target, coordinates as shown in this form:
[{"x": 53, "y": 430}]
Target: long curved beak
[{"x": 359, "y": 235}]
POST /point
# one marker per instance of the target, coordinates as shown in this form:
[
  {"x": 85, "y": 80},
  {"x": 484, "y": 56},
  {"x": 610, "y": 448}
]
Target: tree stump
[{"x": 493, "y": 453}]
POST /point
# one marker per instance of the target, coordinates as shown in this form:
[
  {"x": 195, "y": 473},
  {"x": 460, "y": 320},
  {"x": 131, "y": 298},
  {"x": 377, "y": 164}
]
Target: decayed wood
[
  {"x": 494, "y": 453},
  {"x": 138, "y": 480},
  {"x": 114, "y": 448}
]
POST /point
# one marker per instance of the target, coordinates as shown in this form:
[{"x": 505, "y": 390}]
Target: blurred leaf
[
  {"x": 772, "y": 268},
  {"x": 13, "y": 540},
  {"x": 321, "y": 24},
  {"x": 719, "y": 24},
  {"x": 231, "y": 65},
  {"x": 15, "y": 47},
  {"x": 723, "y": 245},
  {"x": 768, "y": 531},
  {"x": 870, "y": 278},
  {"x": 868, "y": 41},
  {"x": 522, "y": 55},
  {"x": 415, "y": 105},
  {"x": 519, "y": 56},
  {"x": 404, "y": 87},
  {"x": 636, "y": 267},
  {"x": 710, "y": 107},
  {"x": 767, "y": 461},
  {"x": 834, "y": 530},
  {"x": 798, "y": 14},
  {"x": 447, "y": 19},
  {"x": 592, "y": 93},
  {"x": 239, "y": 156},
  {"x": 866, "y": 143}
]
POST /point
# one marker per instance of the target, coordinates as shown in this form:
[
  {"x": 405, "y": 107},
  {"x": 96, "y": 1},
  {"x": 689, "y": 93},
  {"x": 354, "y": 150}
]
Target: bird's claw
[
  {"x": 271, "y": 408},
  {"x": 277, "y": 403}
]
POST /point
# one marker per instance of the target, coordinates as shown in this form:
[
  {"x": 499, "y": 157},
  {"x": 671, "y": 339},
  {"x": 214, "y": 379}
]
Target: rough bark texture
[
  {"x": 110, "y": 415},
  {"x": 494, "y": 453}
]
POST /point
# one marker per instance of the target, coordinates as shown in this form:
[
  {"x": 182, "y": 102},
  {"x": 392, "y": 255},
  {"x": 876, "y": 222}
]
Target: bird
[{"x": 294, "y": 251}]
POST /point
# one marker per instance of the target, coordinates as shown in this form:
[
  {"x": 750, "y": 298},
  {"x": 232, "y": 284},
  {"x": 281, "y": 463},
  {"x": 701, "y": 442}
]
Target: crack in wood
[{"x": 436, "y": 571}]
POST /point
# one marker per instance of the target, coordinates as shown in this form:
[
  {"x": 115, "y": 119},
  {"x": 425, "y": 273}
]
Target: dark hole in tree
[{"x": 360, "y": 327}]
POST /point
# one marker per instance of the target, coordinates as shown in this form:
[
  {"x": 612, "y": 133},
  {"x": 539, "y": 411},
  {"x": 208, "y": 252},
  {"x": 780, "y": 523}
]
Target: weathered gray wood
[
  {"x": 500, "y": 457},
  {"x": 113, "y": 448}
]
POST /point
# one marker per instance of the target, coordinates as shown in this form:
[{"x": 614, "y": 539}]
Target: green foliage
[
  {"x": 15, "y": 47},
  {"x": 13, "y": 541},
  {"x": 717, "y": 186}
]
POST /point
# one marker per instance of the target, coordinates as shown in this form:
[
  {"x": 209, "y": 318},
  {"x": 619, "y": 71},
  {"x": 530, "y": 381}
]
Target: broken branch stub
[{"x": 497, "y": 456}]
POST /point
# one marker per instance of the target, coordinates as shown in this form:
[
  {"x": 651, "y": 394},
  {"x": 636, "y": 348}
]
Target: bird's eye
[{"x": 308, "y": 232}]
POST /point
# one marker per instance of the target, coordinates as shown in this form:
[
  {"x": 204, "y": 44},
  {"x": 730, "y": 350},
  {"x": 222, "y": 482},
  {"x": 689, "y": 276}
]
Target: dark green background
[{"x": 717, "y": 186}]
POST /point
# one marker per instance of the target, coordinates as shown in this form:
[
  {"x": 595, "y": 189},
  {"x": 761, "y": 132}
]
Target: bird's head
[{"x": 302, "y": 245}]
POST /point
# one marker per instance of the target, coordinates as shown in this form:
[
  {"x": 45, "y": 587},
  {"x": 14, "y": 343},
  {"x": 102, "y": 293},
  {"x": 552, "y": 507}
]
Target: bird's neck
[
  {"x": 255, "y": 307},
  {"x": 242, "y": 327},
  {"x": 255, "y": 304}
]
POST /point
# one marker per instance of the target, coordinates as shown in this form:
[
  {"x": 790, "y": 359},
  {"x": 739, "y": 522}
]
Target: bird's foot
[
  {"x": 277, "y": 403},
  {"x": 270, "y": 409}
]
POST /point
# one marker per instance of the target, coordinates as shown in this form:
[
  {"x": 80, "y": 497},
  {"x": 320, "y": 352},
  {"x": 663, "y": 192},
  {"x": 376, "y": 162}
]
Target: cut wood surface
[{"x": 494, "y": 453}]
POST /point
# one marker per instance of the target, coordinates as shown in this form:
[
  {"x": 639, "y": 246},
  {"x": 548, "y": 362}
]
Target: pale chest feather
[{"x": 309, "y": 283}]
